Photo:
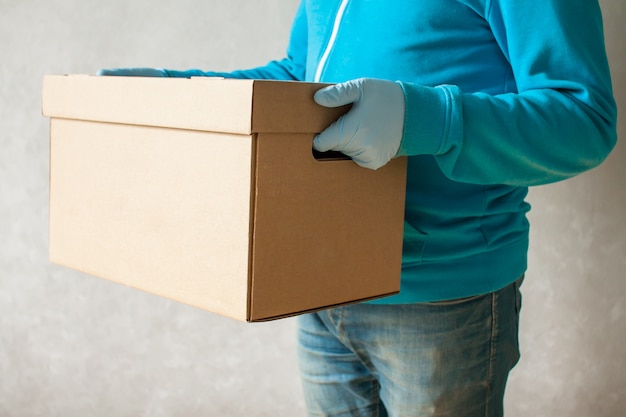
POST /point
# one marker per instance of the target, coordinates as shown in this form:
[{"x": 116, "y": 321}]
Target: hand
[
  {"x": 135, "y": 72},
  {"x": 371, "y": 132}
]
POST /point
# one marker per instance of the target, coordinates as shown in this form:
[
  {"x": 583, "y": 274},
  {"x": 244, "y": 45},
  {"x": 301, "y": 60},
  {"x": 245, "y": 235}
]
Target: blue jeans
[{"x": 433, "y": 359}]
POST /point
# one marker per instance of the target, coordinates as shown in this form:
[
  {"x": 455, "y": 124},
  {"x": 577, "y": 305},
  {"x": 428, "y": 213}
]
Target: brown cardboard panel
[
  {"x": 340, "y": 238},
  {"x": 166, "y": 211},
  {"x": 318, "y": 308},
  {"x": 281, "y": 107}
]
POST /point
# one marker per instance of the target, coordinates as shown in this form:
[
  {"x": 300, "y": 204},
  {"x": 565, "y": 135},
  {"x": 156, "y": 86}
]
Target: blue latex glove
[
  {"x": 371, "y": 132},
  {"x": 135, "y": 72}
]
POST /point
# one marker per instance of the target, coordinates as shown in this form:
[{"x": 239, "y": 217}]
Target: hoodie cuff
[{"x": 433, "y": 119}]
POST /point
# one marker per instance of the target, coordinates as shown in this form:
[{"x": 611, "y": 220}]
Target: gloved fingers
[
  {"x": 322, "y": 143},
  {"x": 133, "y": 72},
  {"x": 336, "y": 137},
  {"x": 327, "y": 141},
  {"x": 333, "y": 138},
  {"x": 339, "y": 94}
]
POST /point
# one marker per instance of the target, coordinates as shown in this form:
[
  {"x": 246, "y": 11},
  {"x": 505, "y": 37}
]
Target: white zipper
[{"x": 331, "y": 41}]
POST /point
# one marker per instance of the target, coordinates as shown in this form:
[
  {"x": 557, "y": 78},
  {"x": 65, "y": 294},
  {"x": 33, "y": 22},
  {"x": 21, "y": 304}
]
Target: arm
[{"x": 562, "y": 120}]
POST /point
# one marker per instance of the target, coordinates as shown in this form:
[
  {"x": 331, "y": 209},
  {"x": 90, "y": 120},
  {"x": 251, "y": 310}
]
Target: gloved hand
[
  {"x": 371, "y": 132},
  {"x": 134, "y": 72}
]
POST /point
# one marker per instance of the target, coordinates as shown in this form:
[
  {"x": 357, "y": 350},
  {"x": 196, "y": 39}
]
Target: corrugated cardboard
[{"x": 206, "y": 191}]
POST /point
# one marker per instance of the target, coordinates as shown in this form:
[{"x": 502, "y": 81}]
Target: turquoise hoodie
[{"x": 500, "y": 95}]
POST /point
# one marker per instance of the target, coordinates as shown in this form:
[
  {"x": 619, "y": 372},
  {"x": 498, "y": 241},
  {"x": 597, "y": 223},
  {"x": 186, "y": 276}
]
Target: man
[{"x": 486, "y": 98}]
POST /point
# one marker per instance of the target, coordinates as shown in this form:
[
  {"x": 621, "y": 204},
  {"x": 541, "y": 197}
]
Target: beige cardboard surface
[
  {"x": 150, "y": 188},
  {"x": 171, "y": 102},
  {"x": 162, "y": 210}
]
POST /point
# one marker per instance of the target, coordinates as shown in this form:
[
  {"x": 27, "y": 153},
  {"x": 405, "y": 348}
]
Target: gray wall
[{"x": 73, "y": 345}]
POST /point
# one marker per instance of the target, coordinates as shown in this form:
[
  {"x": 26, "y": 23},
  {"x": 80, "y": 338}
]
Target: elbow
[
  {"x": 606, "y": 128},
  {"x": 602, "y": 132}
]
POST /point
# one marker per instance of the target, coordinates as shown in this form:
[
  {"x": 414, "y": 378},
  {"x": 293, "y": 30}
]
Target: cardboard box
[{"x": 206, "y": 191}]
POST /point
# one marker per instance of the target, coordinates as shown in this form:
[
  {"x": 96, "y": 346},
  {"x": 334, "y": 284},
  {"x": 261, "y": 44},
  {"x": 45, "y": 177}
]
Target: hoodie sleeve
[
  {"x": 559, "y": 123},
  {"x": 292, "y": 67}
]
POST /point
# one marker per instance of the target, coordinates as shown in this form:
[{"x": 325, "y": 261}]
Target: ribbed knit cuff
[{"x": 432, "y": 121}]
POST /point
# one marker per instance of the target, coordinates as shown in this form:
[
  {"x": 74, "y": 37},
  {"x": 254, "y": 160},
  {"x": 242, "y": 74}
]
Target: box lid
[{"x": 198, "y": 103}]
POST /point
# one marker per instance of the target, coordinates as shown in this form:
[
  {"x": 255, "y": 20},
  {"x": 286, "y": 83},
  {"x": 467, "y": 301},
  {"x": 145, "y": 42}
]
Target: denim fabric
[{"x": 399, "y": 360}]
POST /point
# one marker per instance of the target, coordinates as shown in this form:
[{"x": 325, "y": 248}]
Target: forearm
[
  {"x": 275, "y": 70},
  {"x": 525, "y": 139}
]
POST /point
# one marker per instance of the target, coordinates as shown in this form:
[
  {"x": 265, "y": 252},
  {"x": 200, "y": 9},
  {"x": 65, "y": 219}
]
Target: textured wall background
[{"x": 72, "y": 345}]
